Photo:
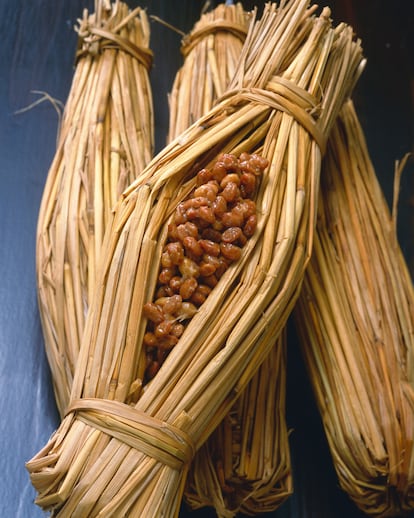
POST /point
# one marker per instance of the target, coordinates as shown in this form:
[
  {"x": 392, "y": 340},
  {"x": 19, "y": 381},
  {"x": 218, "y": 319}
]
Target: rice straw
[
  {"x": 245, "y": 464},
  {"x": 355, "y": 316},
  {"x": 122, "y": 451},
  {"x": 106, "y": 140}
]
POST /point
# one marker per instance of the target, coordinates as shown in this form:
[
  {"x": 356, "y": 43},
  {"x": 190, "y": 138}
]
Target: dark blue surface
[{"x": 36, "y": 53}]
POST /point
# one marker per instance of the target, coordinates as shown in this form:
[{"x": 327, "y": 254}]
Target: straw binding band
[
  {"x": 282, "y": 95},
  {"x": 162, "y": 441},
  {"x": 105, "y": 39},
  {"x": 191, "y": 40}
]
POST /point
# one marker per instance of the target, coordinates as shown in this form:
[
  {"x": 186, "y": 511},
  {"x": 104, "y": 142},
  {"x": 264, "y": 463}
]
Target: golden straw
[{"x": 120, "y": 448}]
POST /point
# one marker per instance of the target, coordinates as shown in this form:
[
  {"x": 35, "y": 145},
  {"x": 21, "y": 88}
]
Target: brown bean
[
  {"x": 242, "y": 240},
  {"x": 180, "y": 215},
  {"x": 218, "y": 172},
  {"x": 189, "y": 268},
  {"x": 162, "y": 353},
  {"x": 166, "y": 275},
  {"x": 187, "y": 229},
  {"x": 172, "y": 304},
  {"x": 163, "y": 291},
  {"x": 231, "y": 192},
  {"x": 201, "y": 293},
  {"x": 172, "y": 231},
  {"x": 219, "y": 206},
  {"x": 232, "y": 219},
  {"x": 230, "y": 251},
  {"x": 210, "y": 247},
  {"x": 160, "y": 301},
  {"x": 150, "y": 340},
  {"x": 195, "y": 203},
  {"x": 192, "y": 247},
  {"x": 207, "y": 269},
  {"x": 204, "y": 176},
  {"x": 198, "y": 299},
  {"x": 153, "y": 312},
  {"x": 248, "y": 184},
  {"x": 244, "y": 164},
  {"x": 218, "y": 225},
  {"x": 188, "y": 287},
  {"x": 163, "y": 328},
  {"x": 250, "y": 225},
  {"x": 175, "y": 283},
  {"x": 206, "y": 214},
  {"x": 222, "y": 267},
  {"x": 167, "y": 342},
  {"x": 177, "y": 329},
  {"x": 210, "y": 234},
  {"x": 205, "y": 290},
  {"x": 231, "y": 234},
  {"x": 231, "y": 177},
  {"x": 215, "y": 184},
  {"x": 192, "y": 213},
  {"x": 175, "y": 251},
  {"x": 208, "y": 191},
  {"x": 230, "y": 162},
  {"x": 188, "y": 310},
  {"x": 166, "y": 261},
  {"x": 247, "y": 207},
  {"x": 212, "y": 259},
  {"x": 258, "y": 163},
  {"x": 210, "y": 281}
]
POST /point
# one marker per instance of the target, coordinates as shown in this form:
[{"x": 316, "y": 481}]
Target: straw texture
[
  {"x": 106, "y": 140},
  {"x": 123, "y": 450},
  {"x": 356, "y": 318},
  {"x": 211, "y": 53},
  {"x": 245, "y": 464}
]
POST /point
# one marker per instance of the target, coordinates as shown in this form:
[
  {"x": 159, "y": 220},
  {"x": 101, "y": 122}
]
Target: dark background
[{"x": 37, "y": 53}]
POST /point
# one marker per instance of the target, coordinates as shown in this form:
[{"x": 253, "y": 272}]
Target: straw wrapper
[
  {"x": 125, "y": 451},
  {"x": 356, "y": 318},
  {"x": 106, "y": 140},
  {"x": 211, "y": 53},
  {"x": 245, "y": 464}
]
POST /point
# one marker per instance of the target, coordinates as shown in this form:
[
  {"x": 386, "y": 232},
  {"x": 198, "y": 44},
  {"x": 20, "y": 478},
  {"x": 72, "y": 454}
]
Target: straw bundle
[
  {"x": 106, "y": 139},
  {"x": 211, "y": 53},
  {"x": 245, "y": 464},
  {"x": 239, "y": 468},
  {"x": 356, "y": 318},
  {"x": 123, "y": 449}
]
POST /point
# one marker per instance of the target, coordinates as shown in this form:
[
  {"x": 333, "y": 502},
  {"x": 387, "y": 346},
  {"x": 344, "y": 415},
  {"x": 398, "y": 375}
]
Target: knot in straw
[
  {"x": 284, "y": 95},
  {"x": 191, "y": 40},
  {"x": 158, "y": 439},
  {"x": 96, "y": 39}
]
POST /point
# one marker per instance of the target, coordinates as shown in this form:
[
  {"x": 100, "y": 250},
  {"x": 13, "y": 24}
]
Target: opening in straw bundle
[{"x": 245, "y": 465}]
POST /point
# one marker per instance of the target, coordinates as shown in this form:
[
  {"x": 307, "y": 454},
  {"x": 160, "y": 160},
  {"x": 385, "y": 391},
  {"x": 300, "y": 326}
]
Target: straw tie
[
  {"x": 192, "y": 39},
  {"x": 158, "y": 439},
  {"x": 283, "y": 95},
  {"x": 94, "y": 40}
]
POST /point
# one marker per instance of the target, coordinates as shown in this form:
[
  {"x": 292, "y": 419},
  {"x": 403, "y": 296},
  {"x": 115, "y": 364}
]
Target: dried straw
[
  {"x": 211, "y": 53},
  {"x": 356, "y": 318},
  {"x": 106, "y": 140},
  {"x": 245, "y": 464},
  {"x": 125, "y": 451}
]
